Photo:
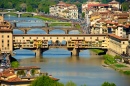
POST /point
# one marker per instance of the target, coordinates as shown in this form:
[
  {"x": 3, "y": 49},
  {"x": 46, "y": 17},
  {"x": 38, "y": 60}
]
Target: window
[
  {"x": 50, "y": 37},
  {"x": 57, "y": 37},
  {"x": 77, "y": 37},
  {"x": 8, "y": 41},
  {"x": 23, "y": 37},
  {"x": 8, "y": 36},
  {"x": 43, "y": 37},
  {"x": 8, "y": 45},
  {"x": 123, "y": 42},
  {"x": 2, "y": 36},
  {"x": 2, "y": 41},
  {"x": 70, "y": 38},
  {"x": 30, "y": 37},
  {"x": 63, "y": 37}
]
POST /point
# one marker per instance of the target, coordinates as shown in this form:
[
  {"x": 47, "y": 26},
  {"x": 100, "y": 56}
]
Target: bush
[
  {"x": 109, "y": 59},
  {"x": 45, "y": 81},
  {"x": 15, "y": 64},
  {"x": 108, "y": 84},
  {"x": 70, "y": 83}
]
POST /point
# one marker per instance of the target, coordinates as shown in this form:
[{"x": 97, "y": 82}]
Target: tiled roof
[
  {"x": 118, "y": 37},
  {"x": 14, "y": 79},
  {"x": 26, "y": 68}
]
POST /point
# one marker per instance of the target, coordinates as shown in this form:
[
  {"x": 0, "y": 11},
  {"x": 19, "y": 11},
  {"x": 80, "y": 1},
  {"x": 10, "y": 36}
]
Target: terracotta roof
[
  {"x": 7, "y": 74},
  {"x": 14, "y": 79},
  {"x": 26, "y": 68},
  {"x": 122, "y": 17},
  {"x": 118, "y": 37}
]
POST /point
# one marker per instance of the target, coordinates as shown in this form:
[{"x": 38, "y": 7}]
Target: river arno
[{"x": 85, "y": 69}]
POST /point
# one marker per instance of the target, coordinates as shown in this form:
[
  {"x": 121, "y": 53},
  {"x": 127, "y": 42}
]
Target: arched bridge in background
[{"x": 18, "y": 13}]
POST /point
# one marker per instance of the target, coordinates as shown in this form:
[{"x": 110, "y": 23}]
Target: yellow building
[{"x": 6, "y": 36}]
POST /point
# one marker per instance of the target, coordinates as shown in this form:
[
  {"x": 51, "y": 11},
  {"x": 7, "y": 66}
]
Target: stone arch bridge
[
  {"x": 73, "y": 42},
  {"x": 18, "y": 13},
  {"x": 47, "y": 29}
]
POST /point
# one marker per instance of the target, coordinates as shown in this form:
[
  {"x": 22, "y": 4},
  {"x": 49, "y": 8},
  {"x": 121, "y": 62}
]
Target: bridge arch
[
  {"x": 17, "y": 31},
  {"x": 56, "y": 31},
  {"x": 74, "y": 32},
  {"x": 36, "y": 31}
]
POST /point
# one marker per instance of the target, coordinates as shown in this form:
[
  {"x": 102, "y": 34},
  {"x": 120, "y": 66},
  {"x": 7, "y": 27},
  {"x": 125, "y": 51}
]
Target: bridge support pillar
[
  {"x": 66, "y": 32},
  {"x": 38, "y": 53},
  {"x": 47, "y": 32},
  {"x": 75, "y": 52},
  {"x": 19, "y": 15}
]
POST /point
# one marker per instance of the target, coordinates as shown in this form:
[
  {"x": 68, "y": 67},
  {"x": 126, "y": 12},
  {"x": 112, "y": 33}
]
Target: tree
[
  {"x": 23, "y": 6},
  {"x": 15, "y": 64},
  {"x": 83, "y": 15},
  {"x": 70, "y": 83},
  {"x": 108, "y": 84},
  {"x": 45, "y": 81},
  {"x": 125, "y": 6}
]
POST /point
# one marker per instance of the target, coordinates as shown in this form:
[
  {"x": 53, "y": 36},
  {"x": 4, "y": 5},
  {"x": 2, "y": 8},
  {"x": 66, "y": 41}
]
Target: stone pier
[
  {"x": 75, "y": 52},
  {"x": 38, "y": 53}
]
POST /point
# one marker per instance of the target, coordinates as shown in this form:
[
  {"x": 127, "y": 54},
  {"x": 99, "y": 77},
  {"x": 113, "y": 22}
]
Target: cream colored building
[
  {"x": 64, "y": 10},
  {"x": 6, "y": 36},
  {"x": 117, "y": 44},
  {"x": 114, "y": 4}
]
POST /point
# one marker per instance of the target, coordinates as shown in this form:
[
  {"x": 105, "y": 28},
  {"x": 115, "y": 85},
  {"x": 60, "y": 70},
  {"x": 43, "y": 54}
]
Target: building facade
[
  {"x": 64, "y": 10},
  {"x": 6, "y": 36}
]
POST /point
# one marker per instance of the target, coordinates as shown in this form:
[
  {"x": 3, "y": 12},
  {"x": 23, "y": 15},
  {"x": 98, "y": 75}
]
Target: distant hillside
[{"x": 40, "y": 5}]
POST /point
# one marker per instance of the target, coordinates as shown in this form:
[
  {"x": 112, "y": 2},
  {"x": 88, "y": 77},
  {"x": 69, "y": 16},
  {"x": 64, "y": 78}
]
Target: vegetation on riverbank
[
  {"x": 45, "y": 18},
  {"x": 97, "y": 51},
  {"x": 60, "y": 24},
  {"x": 115, "y": 63},
  {"x": 47, "y": 81},
  {"x": 109, "y": 59}
]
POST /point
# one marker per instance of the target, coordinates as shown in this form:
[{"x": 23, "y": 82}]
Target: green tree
[
  {"x": 125, "y": 6},
  {"x": 83, "y": 15},
  {"x": 70, "y": 83},
  {"x": 45, "y": 81},
  {"x": 15, "y": 64},
  {"x": 108, "y": 84}
]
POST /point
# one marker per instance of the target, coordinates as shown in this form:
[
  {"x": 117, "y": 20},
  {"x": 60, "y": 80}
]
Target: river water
[{"x": 85, "y": 69}]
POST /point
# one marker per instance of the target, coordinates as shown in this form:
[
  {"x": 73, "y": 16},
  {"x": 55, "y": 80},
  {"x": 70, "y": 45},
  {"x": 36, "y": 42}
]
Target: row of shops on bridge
[{"x": 77, "y": 43}]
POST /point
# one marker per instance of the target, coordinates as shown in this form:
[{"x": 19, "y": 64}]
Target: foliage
[
  {"x": 21, "y": 72},
  {"x": 60, "y": 24},
  {"x": 43, "y": 5},
  {"x": 45, "y": 81},
  {"x": 97, "y": 50},
  {"x": 117, "y": 57},
  {"x": 120, "y": 65},
  {"x": 125, "y": 6},
  {"x": 127, "y": 72},
  {"x": 15, "y": 64},
  {"x": 44, "y": 18},
  {"x": 83, "y": 15},
  {"x": 108, "y": 84},
  {"x": 33, "y": 71},
  {"x": 109, "y": 59},
  {"x": 70, "y": 83}
]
